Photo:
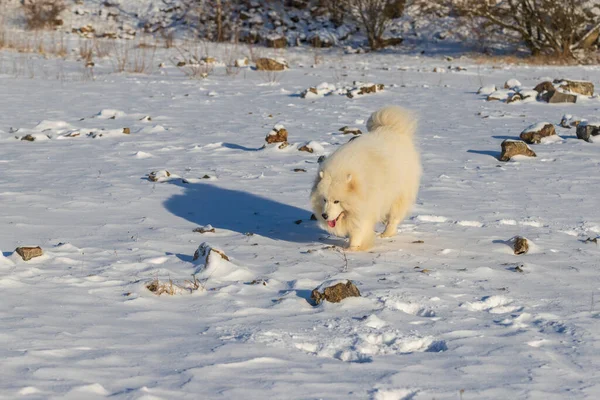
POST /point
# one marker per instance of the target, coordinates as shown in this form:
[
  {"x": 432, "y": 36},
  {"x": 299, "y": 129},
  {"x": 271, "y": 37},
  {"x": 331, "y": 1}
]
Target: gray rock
[{"x": 586, "y": 130}]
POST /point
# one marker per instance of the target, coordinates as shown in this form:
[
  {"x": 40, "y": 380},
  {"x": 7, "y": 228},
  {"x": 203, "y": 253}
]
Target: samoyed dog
[{"x": 373, "y": 178}]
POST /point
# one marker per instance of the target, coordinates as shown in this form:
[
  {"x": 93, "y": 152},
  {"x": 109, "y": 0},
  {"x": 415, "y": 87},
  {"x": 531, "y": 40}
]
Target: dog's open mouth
[{"x": 334, "y": 221}]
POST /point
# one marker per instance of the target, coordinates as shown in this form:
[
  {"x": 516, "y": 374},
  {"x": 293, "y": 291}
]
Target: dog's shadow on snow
[
  {"x": 495, "y": 154},
  {"x": 243, "y": 212}
]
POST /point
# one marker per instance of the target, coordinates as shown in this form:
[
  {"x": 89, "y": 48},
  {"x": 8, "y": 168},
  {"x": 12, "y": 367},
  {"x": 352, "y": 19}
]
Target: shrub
[
  {"x": 558, "y": 27},
  {"x": 374, "y": 16},
  {"x": 41, "y": 14}
]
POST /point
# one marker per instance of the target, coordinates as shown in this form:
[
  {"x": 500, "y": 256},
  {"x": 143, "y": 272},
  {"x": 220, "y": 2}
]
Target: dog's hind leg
[{"x": 396, "y": 215}]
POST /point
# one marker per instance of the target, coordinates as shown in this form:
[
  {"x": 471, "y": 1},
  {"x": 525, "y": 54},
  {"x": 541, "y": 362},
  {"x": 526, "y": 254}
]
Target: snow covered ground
[{"x": 443, "y": 313}]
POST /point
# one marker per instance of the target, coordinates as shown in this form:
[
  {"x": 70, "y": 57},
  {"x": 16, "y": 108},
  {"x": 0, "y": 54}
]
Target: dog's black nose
[{"x": 324, "y": 215}]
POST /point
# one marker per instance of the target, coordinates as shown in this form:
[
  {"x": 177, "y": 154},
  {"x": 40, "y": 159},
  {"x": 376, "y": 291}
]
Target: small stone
[
  {"x": 204, "y": 251},
  {"x": 126, "y": 131},
  {"x": 511, "y": 148},
  {"x": 568, "y": 121},
  {"x": 28, "y": 138},
  {"x": 181, "y": 64},
  {"x": 27, "y": 253},
  {"x": 206, "y": 177},
  {"x": 320, "y": 159},
  {"x": 535, "y": 133},
  {"x": 157, "y": 176},
  {"x": 242, "y": 62},
  {"x": 579, "y": 87},
  {"x": 306, "y": 148},
  {"x": 298, "y": 221},
  {"x": 514, "y": 98},
  {"x": 308, "y": 91},
  {"x": 521, "y": 245},
  {"x": 299, "y": 170},
  {"x": 205, "y": 229},
  {"x": 346, "y": 130},
  {"x": 335, "y": 293},
  {"x": 277, "y": 135}
]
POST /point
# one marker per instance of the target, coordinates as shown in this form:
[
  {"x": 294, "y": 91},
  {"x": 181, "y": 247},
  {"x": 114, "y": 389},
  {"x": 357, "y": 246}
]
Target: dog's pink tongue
[{"x": 331, "y": 223}]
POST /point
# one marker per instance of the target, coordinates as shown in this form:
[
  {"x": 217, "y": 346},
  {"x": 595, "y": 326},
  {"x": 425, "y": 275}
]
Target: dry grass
[
  {"x": 54, "y": 45},
  {"x": 190, "y": 60},
  {"x": 524, "y": 60},
  {"x": 132, "y": 58},
  {"x": 171, "y": 288}
]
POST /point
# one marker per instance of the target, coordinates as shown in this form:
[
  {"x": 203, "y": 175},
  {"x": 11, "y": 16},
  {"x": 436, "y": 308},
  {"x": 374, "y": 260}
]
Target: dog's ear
[
  {"x": 321, "y": 174},
  {"x": 351, "y": 183}
]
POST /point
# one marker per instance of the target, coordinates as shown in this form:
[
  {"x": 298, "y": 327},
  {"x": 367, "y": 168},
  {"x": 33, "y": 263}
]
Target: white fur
[{"x": 374, "y": 178}]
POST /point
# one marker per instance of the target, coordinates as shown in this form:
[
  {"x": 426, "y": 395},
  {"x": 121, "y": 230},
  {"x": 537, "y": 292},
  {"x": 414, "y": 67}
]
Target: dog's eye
[{"x": 336, "y": 202}]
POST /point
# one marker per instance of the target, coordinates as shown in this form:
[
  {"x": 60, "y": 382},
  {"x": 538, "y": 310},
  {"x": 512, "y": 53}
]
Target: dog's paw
[
  {"x": 387, "y": 234},
  {"x": 357, "y": 248}
]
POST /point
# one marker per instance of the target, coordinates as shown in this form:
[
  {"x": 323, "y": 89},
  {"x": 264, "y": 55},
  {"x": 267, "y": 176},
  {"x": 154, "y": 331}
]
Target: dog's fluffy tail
[{"x": 397, "y": 118}]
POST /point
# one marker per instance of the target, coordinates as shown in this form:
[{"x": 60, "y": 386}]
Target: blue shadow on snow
[{"x": 243, "y": 212}]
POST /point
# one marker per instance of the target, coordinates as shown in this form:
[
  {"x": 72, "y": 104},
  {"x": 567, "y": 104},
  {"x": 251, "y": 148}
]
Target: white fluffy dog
[{"x": 374, "y": 178}]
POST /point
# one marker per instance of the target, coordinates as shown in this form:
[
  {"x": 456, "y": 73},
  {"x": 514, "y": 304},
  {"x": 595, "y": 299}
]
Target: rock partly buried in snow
[
  {"x": 277, "y": 135},
  {"x": 323, "y": 89},
  {"x": 205, "y": 229},
  {"x": 312, "y": 147},
  {"x": 499, "y": 95},
  {"x": 271, "y": 64},
  {"x": 557, "y": 97},
  {"x": 206, "y": 251},
  {"x": 487, "y": 90},
  {"x": 28, "y": 138},
  {"x": 306, "y": 148},
  {"x": 361, "y": 89},
  {"x": 346, "y": 130},
  {"x": 216, "y": 265},
  {"x": 511, "y": 148},
  {"x": 521, "y": 246},
  {"x": 512, "y": 84},
  {"x": 535, "y": 133},
  {"x": 580, "y": 87},
  {"x": 568, "y": 121},
  {"x": 545, "y": 86},
  {"x": 334, "y": 293},
  {"x": 159, "y": 176},
  {"x": 514, "y": 98},
  {"x": 27, "y": 253},
  {"x": 586, "y": 130},
  {"x": 241, "y": 62},
  {"x": 126, "y": 131}
]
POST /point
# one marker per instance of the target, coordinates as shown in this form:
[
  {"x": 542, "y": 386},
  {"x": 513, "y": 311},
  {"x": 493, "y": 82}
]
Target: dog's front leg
[{"x": 362, "y": 237}]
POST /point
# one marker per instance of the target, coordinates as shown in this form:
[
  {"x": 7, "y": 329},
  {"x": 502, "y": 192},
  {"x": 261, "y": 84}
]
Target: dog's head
[{"x": 330, "y": 198}]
